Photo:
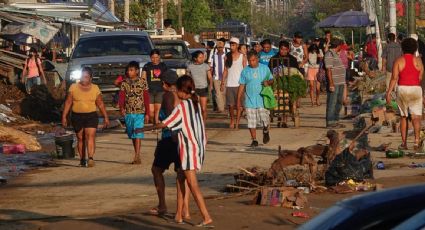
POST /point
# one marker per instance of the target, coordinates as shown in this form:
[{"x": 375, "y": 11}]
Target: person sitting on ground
[
  {"x": 136, "y": 107},
  {"x": 83, "y": 98},
  {"x": 252, "y": 80},
  {"x": 166, "y": 151},
  {"x": 33, "y": 71},
  {"x": 192, "y": 142},
  {"x": 407, "y": 73}
]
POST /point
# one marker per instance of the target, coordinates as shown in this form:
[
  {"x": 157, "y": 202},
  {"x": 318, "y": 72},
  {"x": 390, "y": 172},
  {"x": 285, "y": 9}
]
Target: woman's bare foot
[
  {"x": 318, "y": 103},
  {"x": 231, "y": 125}
]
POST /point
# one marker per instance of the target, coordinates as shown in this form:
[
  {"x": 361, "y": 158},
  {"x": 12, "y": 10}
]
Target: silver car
[{"x": 108, "y": 53}]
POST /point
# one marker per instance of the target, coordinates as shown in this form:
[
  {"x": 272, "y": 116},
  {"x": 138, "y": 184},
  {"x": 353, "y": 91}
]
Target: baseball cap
[
  {"x": 414, "y": 36},
  {"x": 169, "y": 76},
  {"x": 234, "y": 40}
]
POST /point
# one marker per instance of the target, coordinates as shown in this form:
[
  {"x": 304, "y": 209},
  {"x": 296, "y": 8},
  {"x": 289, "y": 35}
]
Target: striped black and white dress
[{"x": 191, "y": 134}]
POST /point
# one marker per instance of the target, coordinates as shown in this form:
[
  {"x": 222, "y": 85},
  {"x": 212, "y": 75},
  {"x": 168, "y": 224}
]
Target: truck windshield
[
  {"x": 112, "y": 46},
  {"x": 171, "y": 51}
]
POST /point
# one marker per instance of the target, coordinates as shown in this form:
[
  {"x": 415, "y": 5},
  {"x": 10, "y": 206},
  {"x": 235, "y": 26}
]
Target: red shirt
[
  {"x": 409, "y": 75},
  {"x": 372, "y": 49}
]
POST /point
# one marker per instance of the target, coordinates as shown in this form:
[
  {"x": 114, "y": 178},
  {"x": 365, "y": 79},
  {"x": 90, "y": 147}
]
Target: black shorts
[
  {"x": 84, "y": 120},
  {"x": 166, "y": 153},
  {"x": 202, "y": 92}
]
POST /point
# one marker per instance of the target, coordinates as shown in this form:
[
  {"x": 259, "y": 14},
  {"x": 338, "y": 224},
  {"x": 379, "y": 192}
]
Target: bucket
[{"x": 64, "y": 147}]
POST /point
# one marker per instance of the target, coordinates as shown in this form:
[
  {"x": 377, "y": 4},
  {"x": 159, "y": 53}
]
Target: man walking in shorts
[
  {"x": 136, "y": 106},
  {"x": 234, "y": 64},
  {"x": 253, "y": 78}
]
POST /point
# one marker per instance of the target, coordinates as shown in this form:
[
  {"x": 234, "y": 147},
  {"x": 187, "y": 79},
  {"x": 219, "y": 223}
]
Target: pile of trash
[{"x": 10, "y": 94}]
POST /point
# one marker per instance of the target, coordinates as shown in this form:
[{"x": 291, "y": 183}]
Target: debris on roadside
[
  {"x": 11, "y": 135},
  {"x": 350, "y": 186}
]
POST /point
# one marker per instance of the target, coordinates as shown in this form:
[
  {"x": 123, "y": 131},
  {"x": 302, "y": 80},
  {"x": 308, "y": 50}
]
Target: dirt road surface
[{"x": 117, "y": 195}]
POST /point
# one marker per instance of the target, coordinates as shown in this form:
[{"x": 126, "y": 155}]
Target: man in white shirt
[{"x": 216, "y": 63}]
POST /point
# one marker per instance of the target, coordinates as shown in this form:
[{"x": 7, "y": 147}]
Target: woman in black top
[{"x": 151, "y": 72}]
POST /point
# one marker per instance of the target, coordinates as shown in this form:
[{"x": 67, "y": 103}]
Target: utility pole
[
  {"x": 411, "y": 17},
  {"x": 393, "y": 17},
  {"x": 127, "y": 11},
  {"x": 378, "y": 12},
  {"x": 422, "y": 10}
]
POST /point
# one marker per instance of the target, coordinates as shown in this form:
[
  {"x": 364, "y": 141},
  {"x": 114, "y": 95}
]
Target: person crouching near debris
[
  {"x": 166, "y": 151},
  {"x": 187, "y": 120},
  {"x": 83, "y": 97},
  {"x": 135, "y": 107},
  {"x": 407, "y": 73},
  {"x": 253, "y": 78},
  {"x": 33, "y": 71}
]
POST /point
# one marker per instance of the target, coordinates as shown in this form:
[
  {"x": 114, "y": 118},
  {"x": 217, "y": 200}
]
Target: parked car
[
  {"x": 175, "y": 54},
  {"x": 108, "y": 53},
  {"x": 385, "y": 209}
]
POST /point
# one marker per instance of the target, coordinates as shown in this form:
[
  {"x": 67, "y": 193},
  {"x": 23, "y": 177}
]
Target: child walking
[
  {"x": 166, "y": 152},
  {"x": 135, "y": 108},
  {"x": 202, "y": 77},
  {"x": 186, "y": 118}
]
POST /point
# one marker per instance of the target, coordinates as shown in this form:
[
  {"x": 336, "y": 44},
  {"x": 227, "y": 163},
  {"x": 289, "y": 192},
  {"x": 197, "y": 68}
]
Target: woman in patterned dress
[{"x": 187, "y": 120}]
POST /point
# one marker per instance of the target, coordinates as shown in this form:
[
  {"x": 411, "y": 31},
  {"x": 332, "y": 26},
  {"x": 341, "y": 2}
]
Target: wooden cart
[{"x": 285, "y": 108}]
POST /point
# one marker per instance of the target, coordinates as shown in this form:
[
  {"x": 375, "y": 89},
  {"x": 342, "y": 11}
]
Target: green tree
[
  {"x": 237, "y": 9},
  {"x": 140, "y": 11},
  {"x": 196, "y": 15}
]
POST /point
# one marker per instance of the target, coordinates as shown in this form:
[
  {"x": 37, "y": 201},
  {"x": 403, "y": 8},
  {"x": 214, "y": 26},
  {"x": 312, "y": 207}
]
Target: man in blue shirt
[
  {"x": 267, "y": 52},
  {"x": 253, "y": 78}
]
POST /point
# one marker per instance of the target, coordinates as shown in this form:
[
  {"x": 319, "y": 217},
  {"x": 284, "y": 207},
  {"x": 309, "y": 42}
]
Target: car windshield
[
  {"x": 171, "y": 51},
  {"x": 112, "y": 46}
]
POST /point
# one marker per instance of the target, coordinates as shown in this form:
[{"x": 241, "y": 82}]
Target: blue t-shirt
[
  {"x": 253, "y": 79},
  {"x": 265, "y": 57}
]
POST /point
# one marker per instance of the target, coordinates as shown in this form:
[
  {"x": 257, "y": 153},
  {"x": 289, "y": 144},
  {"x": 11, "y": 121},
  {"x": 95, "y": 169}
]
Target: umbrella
[
  {"x": 37, "y": 29},
  {"x": 347, "y": 19}
]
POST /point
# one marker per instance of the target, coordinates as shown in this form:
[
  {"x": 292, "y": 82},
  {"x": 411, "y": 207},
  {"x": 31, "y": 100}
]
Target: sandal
[
  {"x": 204, "y": 225},
  {"x": 136, "y": 162},
  {"x": 157, "y": 212},
  {"x": 177, "y": 222},
  {"x": 402, "y": 147}
]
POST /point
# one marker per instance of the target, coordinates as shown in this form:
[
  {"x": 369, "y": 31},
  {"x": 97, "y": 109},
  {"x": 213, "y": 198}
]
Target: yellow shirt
[{"x": 84, "y": 101}]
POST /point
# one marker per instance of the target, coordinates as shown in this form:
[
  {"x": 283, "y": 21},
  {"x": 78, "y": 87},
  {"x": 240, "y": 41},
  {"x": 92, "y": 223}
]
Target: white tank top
[{"x": 234, "y": 72}]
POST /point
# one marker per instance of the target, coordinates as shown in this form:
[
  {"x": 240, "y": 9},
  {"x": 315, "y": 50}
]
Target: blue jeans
[
  {"x": 32, "y": 82},
  {"x": 334, "y": 104}
]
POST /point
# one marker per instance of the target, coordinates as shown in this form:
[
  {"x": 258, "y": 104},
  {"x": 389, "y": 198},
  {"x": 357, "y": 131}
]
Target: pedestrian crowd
[{"x": 236, "y": 77}]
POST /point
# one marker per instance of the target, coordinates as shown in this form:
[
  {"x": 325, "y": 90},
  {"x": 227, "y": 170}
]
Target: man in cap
[
  {"x": 216, "y": 63},
  {"x": 335, "y": 70},
  {"x": 234, "y": 64}
]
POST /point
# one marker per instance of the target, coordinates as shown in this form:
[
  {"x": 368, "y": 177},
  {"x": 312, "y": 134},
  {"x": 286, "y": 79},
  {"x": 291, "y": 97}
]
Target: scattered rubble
[{"x": 11, "y": 135}]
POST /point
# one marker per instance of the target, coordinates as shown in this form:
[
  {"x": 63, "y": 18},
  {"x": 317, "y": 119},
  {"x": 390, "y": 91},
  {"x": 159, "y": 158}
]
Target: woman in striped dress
[{"x": 186, "y": 118}]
